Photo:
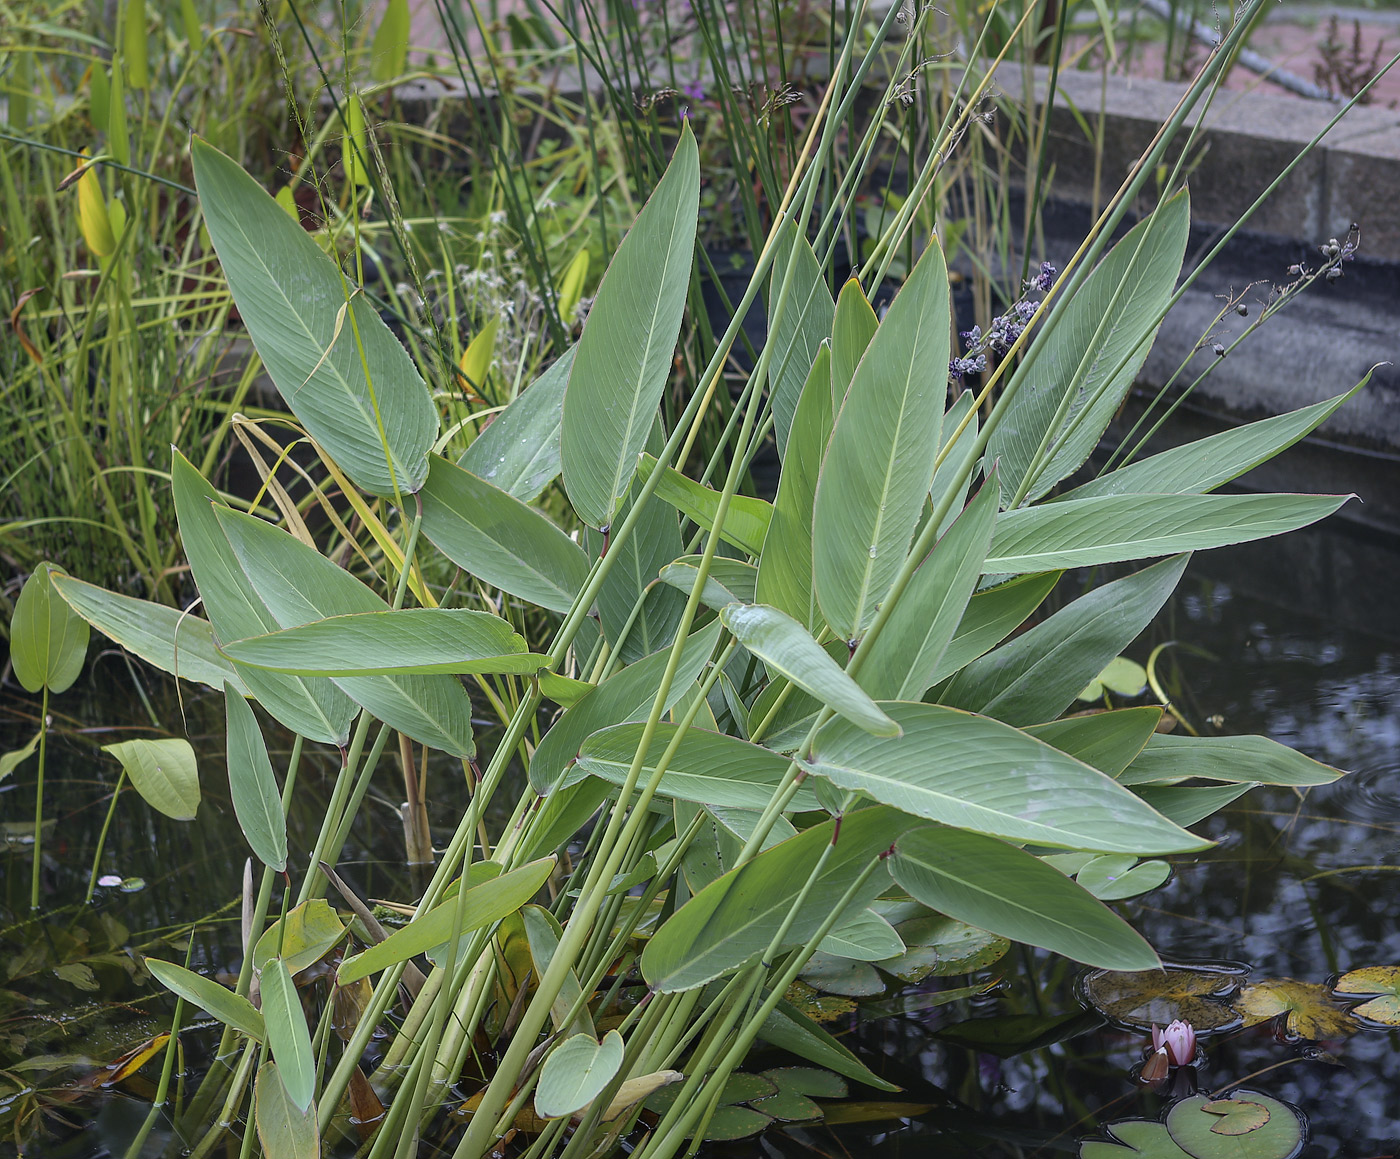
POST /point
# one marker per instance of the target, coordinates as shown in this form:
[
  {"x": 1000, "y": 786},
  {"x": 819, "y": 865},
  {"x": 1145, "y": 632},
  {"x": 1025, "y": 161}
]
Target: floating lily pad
[
  {"x": 1247, "y": 1125},
  {"x": 1381, "y": 981},
  {"x": 1133, "y": 1137},
  {"x": 795, "y": 1084},
  {"x": 734, "y": 1122},
  {"x": 817, "y": 1006},
  {"x": 1118, "y": 876},
  {"x": 939, "y": 946},
  {"x": 1308, "y": 1007},
  {"x": 835, "y": 975},
  {"x": 1144, "y": 997}
]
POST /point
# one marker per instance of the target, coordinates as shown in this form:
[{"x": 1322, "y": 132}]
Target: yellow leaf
[
  {"x": 476, "y": 358},
  {"x": 1308, "y": 1006},
  {"x": 356, "y": 155},
  {"x": 92, "y": 215},
  {"x": 571, "y": 288}
]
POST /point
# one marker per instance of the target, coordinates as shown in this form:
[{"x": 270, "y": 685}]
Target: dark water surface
[{"x": 1276, "y": 638}]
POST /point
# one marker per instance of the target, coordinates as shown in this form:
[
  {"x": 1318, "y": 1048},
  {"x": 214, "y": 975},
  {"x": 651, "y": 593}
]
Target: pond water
[{"x": 1301, "y": 886}]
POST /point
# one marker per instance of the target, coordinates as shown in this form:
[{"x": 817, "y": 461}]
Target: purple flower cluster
[{"x": 1001, "y": 335}]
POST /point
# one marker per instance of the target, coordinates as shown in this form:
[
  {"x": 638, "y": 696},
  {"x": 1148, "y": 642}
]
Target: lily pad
[
  {"x": 817, "y": 1006},
  {"x": 1142, "y": 998},
  {"x": 1133, "y": 1137},
  {"x": 835, "y": 975},
  {"x": 735, "y": 1122},
  {"x": 1117, "y": 876},
  {"x": 1383, "y": 982},
  {"x": 796, "y": 1084},
  {"x": 940, "y": 946},
  {"x": 1247, "y": 1125},
  {"x": 1307, "y": 1006}
]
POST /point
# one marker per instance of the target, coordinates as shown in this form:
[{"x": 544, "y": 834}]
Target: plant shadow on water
[{"x": 1298, "y": 888}]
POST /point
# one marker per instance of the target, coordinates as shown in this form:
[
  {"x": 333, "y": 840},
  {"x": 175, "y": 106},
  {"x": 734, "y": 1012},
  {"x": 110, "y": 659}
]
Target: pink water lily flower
[{"x": 1178, "y": 1040}]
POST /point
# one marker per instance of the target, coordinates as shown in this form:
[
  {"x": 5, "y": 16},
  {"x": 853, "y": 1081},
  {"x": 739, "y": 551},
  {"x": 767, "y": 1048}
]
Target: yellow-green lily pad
[
  {"x": 1307, "y": 1008},
  {"x": 1142, "y": 998},
  {"x": 1120, "y": 675},
  {"x": 1382, "y": 983}
]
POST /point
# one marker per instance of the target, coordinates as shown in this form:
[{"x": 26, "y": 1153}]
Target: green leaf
[
  {"x": 421, "y": 640},
  {"x": 789, "y": 1029},
  {"x": 134, "y": 51},
  {"x": 1133, "y": 1138},
  {"x": 389, "y": 51},
  {"x": 172, "y": 640},
  {"x": 745, "y": 523},
  {"x": 1113, "y": 528},
  {"x": 625, "y": 696},
  {"x": 735, "y": 576},
  {"x": 1247, "y": 1125},
  {"x": 10, "y": 761},
  {"x": 1107, "y": 741},
  {"x": 938, "y": 947},
  {"x": 624, "y": 355},
  {"x": 878, "y": 468},
  {"x": 866, "y": 937},
  {"x": 1211, "y": 462},
  {"x": 312, "y": 930},
  {"x": 229, "y": 1008},
  {"x": 733, "y": 920},
  {"x": 257, "y": 802},
  {"x": 501, "y": 540},
  {"x": 682, "y": 577},
  {"x": 542, "y": 933},
  {"x": 991, "y": 616},
  {"x": 485, "y": 904},
  {"x": 164, "y": 773},
  {"x": 1007, "y": 891},
  {"x": 976, "y": 773},
  {"x": 798, "y": 333},
  {"x": 293, "y": 300},
  {"x": 519, "y": 451},
  {"x": 785, "y": 568},
  {"x": 314, "y": 708},
  {"x": 48, "y": 639},
  {"x": 1121, "y": 676},
  {"x": 1186, "y": 806},
  {"x": 1233, "y": 759},
  {"x": 285, "y": 1130},
  {"x": 1381, "y": 984},
  {"x": 853, "y": 325},
  {"x": 575, "y": 1073},
  {"x": 1036, "y": 676},
  {"x": 654, "y": 543},
  {"x": 287, "y": 1033},
  {"x": 300, "y": 585},
  {"x": 957, "y": 468},
  {"x": 901, "y": 663},
  {"x": 709, "y": 768},
  {"x": 1117, "y": 877},
  {"x": 1111, "y": 317},
  {"x": 786, "y": 647}
]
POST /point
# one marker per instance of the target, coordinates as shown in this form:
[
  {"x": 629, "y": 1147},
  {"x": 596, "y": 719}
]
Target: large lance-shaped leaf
[
  {"x": 285, "y": 1130},
  {"x": 1209, "y": 463},
  {"x": 625, "y": 696},
  {"x": 853, "y": 325},
  {"x": 287, "y": 1033},
  {"x": 519, "y": 451},
  {"x": 785, "y": 568},
  {"x": 1007, "y": 891},
  {"x": 166, "y": 637},
  {"x": 1224, "y": 758},
  {"x": 975, "y": 773},
  {"x": 733, "y": 920},
  {"x": 798, "y": 331},
  {"x": 1113, "y": 528},
  {"x": 315, "y": 708},
  {"x": 229, "y": 1008},
  {"x": 485, "y": 903},
  {"x": 879, "y": 465},
  {"x": 1036, "y": 676},
  {"x": 655, "y": 542},
  {"x": 423, "y": 640},
  {"x": 1111, "y": 317},
  {"x": 745, "y": 521},
  {"x": 788, "y": 648},
  {"x": 956, "y": 470},
  {"x": 48, "y": 639},
  {"x": 257, "y": 803},
  {"x": 575, "y": 1073},
  {"x": 301, "y": 585},
  {"x": 901, "y": 663},
  {"x": 501, "y": 540},
  {"x": 624, "y": 355},
  {"x": 1107, "y": 741},
  {"x": 164, "y": 772},
  {"x": 991, "y": 616},
  {"x": 709, "y": 768},
  {"x": 292, "y": 299}
]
